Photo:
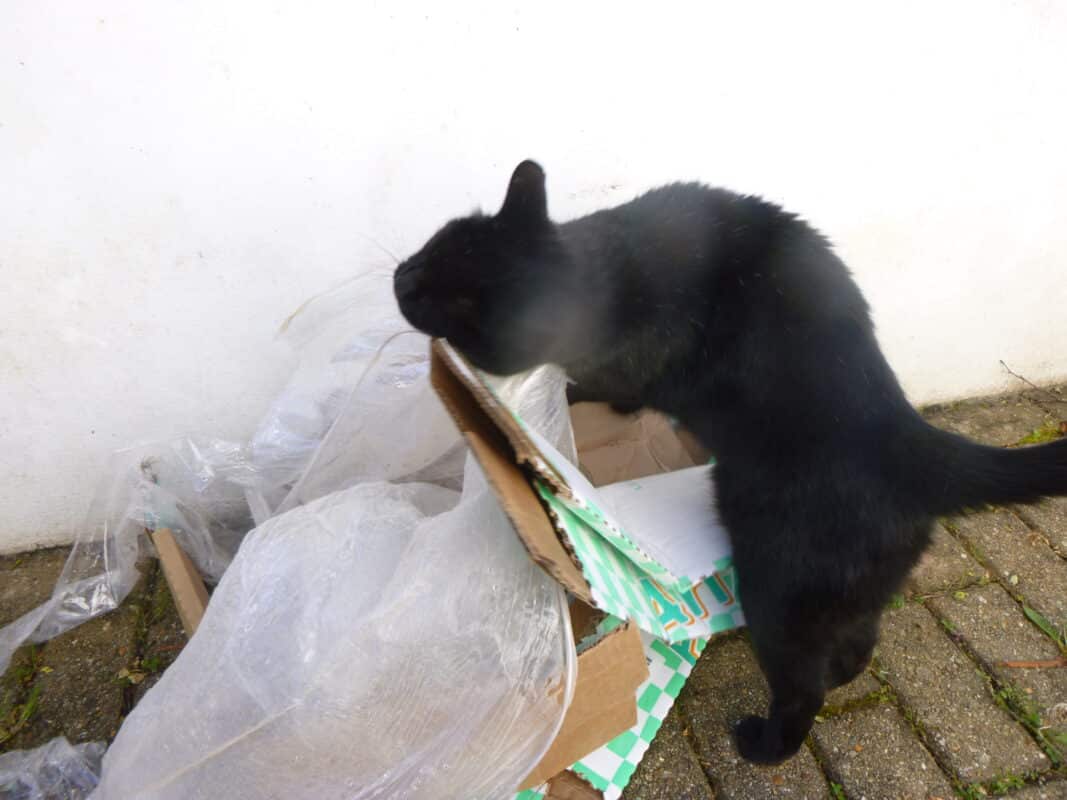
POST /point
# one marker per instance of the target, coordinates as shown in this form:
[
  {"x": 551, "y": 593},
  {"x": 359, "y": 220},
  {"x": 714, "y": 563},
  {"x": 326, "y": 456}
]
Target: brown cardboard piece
[
  {"x": 584, "y": 619},
  {"x": 698, "y": 452},
  {"x": 186, "y": 586},
  {"x": 604, "y": 700},
  {"x": 498, "y": 445},
  {"x": 610, "y": 671},
  {"x": 568, "y": 786},
  {"x": 615, "y": 447}
]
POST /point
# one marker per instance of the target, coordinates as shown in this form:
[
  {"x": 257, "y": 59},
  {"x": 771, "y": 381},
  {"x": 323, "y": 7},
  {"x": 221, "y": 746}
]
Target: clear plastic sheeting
[
  {"x": 54, "y": 771},
  {"x": 345, "y": 337},
  {"x": 210, "y": 492},
  {"x": 384, "y": 636},
  {"x": 193, "y": 486},
  {"x": 403, "y": 431},
  {"x": 380, "y": 642},
  {"x": 381, "y": 633}
]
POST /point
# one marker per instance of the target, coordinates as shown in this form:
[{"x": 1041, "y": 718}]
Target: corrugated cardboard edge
[
  {"x": 584, "y": 619},
  {"x": 186, "y": 586},
  {"x": 604, "y": 703},
  {"x": 571, "y": 786},
  {"x": 609, "y": 672},
  {"x": 527, "y": 454},
  {"x": 496, "y": 454}
]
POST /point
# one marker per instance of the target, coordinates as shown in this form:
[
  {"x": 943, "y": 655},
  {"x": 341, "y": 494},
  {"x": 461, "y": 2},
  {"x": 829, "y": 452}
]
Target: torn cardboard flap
[
  {"x": 568, "y": 786},
  {"x": 604, "y": 702},
  {"x": 642, "y": 548},
  {"x": 525, "y": 452},
  {"x": 665, "y": 529},
  {"x": 604, "y": 773},
  {"x": 676, "y": 595},
  {"x": 496, "y": 456}
]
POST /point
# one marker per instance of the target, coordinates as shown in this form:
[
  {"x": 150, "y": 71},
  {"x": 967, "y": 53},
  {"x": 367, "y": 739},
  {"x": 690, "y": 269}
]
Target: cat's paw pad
[{"x": 751, "y": 744}]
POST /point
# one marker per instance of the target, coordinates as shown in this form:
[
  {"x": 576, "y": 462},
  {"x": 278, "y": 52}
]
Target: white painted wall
[{"x": 176, "y": 178}]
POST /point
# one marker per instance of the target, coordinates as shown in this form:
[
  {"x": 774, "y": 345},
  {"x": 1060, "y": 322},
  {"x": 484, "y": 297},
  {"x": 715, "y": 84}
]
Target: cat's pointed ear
[{"x": 526, "y": 201}]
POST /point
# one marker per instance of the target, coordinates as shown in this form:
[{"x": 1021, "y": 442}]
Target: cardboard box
[
  {"x": 674, "y": 580},
  {"x": 650, "y": 550},
  {"x": 627, "y": 677},
  {"x": 620, "y": 447},
  {"x": 604, "y": 703}
]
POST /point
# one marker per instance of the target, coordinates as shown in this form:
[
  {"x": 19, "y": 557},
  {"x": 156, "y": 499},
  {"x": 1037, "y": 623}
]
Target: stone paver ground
[{"x": 967, "y": 695}]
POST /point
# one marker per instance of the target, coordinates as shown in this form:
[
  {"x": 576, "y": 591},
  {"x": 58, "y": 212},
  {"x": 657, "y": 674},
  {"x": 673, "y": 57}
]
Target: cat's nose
[
  {"x": 405, "y": 284},
  {"x": 410, "y": 297}
]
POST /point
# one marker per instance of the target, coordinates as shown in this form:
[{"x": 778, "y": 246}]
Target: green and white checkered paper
[{"x": 610, "y": 767}]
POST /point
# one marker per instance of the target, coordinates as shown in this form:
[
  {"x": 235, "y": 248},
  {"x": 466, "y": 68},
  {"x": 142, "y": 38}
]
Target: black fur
[{"x": 738, "y": 319}]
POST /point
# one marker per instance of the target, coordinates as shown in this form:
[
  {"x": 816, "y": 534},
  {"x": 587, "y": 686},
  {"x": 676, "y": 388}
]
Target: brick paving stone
[
  {"x": 873, "y": 753},
  {"x": 860, "y": 687},
  {"x": 81, "y": 696},
  {"x": 1020, "y": 557},
  {"x": 945, "y": 565},
  {"x": 991, "y": 420},
  {"x": 993, "y": 626},
  {"x": 670, "y": 769},
  {"x": 942, "y": 687},
  {"x": 1053, "y": 790},
  {"x": 725, "y": 686},
  {"x": 1050, "y": 517},
  {"x": 27, "y": 580}
]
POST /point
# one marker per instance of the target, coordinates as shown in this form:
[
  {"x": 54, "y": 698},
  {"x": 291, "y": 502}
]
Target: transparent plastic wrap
[
  {"x": 210, "y": 492},
  {"x": 386, "y": 637},
  {"x": 364, "y": 377},
  {"x": 381, "y": 633},
  {"x": 193, "y": 486},
  {"x": 380, "y": 642},
  {"x": 54, "y": 771},
  {"x": 403, "y": 431},
  {"x": 339, "y": 336}
]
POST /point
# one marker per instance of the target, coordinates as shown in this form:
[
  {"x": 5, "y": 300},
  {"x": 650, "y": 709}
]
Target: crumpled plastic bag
[
  {"x": 380, "y": 642},
  {"x": 54, "y": 771},
  {"x": 381, "y": 633},
  {"x": 210, "y": 492},
  {"x": 346, "y": 338},
  {"x": 193, "y": 485},
  {"x": 386, "y": 637}
]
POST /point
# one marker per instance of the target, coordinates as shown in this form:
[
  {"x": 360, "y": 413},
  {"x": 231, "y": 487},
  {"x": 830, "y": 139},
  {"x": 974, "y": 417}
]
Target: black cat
[{"x": 737, "y": 318}]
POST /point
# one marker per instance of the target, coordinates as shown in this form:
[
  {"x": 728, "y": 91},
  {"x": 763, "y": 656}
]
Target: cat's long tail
[{"x": 954, "y": 473}]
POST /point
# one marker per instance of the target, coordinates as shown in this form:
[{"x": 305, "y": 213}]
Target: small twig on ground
[
  {"x": 1051, "y": 395},
  {"x": 1052, "y": 662}
]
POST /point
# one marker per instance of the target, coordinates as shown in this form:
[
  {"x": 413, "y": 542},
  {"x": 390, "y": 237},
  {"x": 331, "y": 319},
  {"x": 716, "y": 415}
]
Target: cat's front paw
[{"x": 753, "y": 745}]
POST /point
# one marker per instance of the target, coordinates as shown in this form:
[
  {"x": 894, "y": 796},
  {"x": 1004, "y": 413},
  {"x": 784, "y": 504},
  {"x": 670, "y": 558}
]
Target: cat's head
[{"x": 501, "y": 288}]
